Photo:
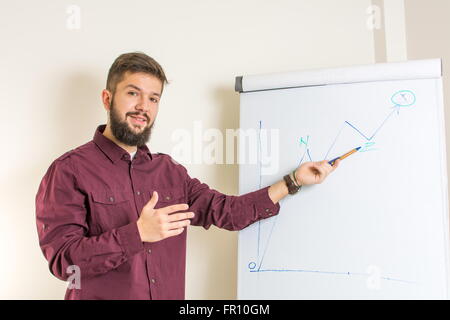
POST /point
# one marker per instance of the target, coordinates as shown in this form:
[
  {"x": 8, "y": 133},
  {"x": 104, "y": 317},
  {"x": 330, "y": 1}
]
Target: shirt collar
[{"x": 113, "y": 151}]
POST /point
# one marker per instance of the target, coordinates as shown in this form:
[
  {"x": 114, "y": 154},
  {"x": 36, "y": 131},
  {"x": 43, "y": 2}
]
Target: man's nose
[{"x": 143, "y": 104}]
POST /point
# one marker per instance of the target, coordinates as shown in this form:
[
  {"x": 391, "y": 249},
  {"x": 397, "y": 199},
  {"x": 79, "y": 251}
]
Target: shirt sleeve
[
  {"x": 226, "y": 211},
  {"x": 62, "y": 229}
]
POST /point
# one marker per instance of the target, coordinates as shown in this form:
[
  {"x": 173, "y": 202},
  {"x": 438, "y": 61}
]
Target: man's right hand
[{"x": 158, "y": 224}]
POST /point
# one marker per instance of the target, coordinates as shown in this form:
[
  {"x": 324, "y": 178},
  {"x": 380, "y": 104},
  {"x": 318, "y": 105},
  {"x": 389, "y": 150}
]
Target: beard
[{"x": 122, "y": 131}]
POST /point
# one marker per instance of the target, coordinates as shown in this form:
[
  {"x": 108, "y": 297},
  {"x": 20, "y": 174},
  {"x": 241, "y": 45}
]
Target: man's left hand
[{"x": 314, "y": 172}]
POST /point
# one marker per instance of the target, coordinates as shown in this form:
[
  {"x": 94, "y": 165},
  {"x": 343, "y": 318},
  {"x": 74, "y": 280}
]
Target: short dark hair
[{"x": 133, "y": 62}]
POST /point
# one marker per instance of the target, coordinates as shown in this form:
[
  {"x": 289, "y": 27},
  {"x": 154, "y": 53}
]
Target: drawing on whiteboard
[{"x": 400, "y": 99}]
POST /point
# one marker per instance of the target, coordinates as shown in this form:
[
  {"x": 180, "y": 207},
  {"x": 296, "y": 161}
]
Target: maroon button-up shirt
[{"x": 87, "y": 206}]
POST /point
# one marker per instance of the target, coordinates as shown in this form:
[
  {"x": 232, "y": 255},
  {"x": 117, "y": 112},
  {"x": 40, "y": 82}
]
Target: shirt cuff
[
  {"x": 130, "y": 239},
  {"x": 264, "y": 205}
]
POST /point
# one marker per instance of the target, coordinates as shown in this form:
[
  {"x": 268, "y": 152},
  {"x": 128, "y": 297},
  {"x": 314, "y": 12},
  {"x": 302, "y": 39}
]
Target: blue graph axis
[
  {"x": 400, "y": 99},
  {"x": 328, "y": 272}
]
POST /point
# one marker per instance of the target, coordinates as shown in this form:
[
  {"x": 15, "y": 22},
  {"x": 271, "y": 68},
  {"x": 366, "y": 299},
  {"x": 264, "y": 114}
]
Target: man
[{"x": 112, "y": 216}]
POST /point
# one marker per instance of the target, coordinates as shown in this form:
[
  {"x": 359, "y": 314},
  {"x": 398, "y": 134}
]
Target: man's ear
[{"x": 106, "y": 99}]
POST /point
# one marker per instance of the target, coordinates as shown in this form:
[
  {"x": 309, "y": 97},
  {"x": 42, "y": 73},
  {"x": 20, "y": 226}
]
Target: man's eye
[
  {"x": 154, "y": 100},
  {"x": 132, "y": 93}
]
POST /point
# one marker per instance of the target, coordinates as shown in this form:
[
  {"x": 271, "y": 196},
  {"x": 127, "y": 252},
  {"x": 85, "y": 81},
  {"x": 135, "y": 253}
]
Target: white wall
[{"x": 53, "y": 76}]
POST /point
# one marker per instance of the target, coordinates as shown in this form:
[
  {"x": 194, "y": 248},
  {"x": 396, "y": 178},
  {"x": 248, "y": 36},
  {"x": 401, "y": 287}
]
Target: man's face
[{"x": 134, "y": 107}]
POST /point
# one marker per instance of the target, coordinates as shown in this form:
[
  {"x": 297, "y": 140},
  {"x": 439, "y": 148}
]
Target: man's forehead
[{"x": 141, "y": 81}]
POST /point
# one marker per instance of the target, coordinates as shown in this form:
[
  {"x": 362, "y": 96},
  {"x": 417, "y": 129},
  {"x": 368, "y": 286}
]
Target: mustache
[{"x": 138, "y": 114}]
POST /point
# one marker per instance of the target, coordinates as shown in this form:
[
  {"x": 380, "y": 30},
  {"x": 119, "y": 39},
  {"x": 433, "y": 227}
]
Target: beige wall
[
  {"x": 53, "y": 76},
  {"x": 427, "y": 32}
]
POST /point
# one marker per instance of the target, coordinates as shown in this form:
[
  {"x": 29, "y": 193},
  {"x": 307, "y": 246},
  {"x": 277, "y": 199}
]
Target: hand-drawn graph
[{"x": 400, "y": 100}]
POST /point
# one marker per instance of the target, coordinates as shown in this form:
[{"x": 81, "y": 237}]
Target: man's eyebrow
[{"x": 139, "y": 89}]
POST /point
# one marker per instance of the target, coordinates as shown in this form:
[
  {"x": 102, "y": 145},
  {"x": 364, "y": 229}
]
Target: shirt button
[
  {"x": 149, "y": 250},
  {"x": 168, "y": 198},
  {"x": 132, "y": 166},
  {"x": 111, "y": 199},
  {"x": 138, "y": 193},
  {"x": 153, "y": 280}
]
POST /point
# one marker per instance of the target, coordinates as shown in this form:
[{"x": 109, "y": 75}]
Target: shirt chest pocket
[
  {"x": 109, "y": 210},
  {"x": 169, "y": 196}
]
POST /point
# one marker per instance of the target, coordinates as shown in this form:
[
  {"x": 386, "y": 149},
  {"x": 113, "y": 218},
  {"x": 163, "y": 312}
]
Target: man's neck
[{"x": 108, "y": 133}]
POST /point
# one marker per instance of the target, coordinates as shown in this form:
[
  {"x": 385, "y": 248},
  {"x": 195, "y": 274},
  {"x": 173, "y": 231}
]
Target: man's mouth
[{"x": 140, "y": 120}]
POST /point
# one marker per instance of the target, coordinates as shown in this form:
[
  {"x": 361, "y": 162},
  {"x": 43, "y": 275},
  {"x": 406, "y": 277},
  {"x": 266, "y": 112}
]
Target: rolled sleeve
[
  {"x": 228, "y": 212},
  {"x": 264, "y": 207}
]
